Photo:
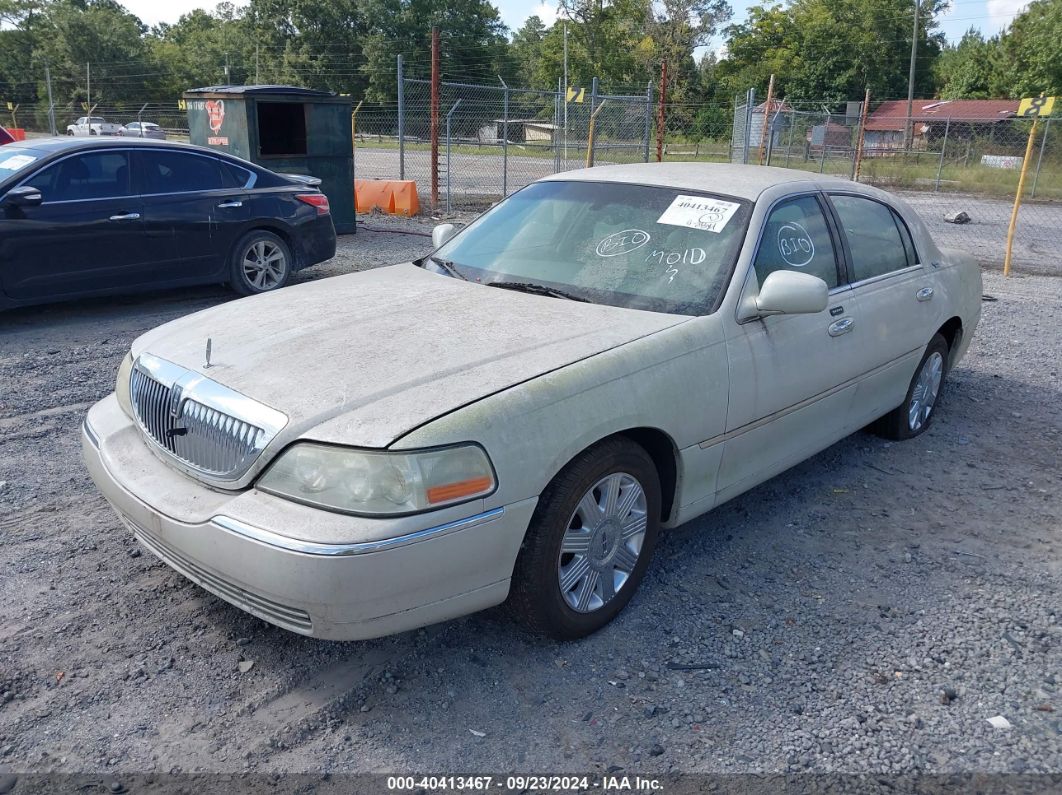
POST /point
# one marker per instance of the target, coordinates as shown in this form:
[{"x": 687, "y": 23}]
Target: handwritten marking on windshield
[
  {"x": 622, "y": 242},
  {"x": 691, "y": 256}
]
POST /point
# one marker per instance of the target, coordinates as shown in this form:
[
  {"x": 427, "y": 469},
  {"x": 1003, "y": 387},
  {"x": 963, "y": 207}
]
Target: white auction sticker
[
  {"x": 16, "y": 162},
  {"x": 699, "y": 212}
]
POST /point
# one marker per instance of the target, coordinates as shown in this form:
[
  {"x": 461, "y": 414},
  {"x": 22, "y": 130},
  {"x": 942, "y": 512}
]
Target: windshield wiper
[
  {"x": 538, "y": 289},
  {"x": 448, "y": 266}
]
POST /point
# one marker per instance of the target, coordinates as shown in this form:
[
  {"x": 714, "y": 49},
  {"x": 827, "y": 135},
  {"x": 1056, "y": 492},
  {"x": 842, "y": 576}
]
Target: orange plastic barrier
[
  {"x": 18, "y": 133},
  {"x": 392, "y": 196}
]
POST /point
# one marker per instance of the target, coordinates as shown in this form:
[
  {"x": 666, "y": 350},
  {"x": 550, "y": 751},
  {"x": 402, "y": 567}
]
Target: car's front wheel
[
  {"x": 261, "y": 262},
  {"x": 589, "y": 542},
  {"x": 915, "y": 414}
]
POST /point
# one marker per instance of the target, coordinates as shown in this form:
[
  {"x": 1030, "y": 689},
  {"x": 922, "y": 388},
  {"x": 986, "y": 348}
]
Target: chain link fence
[
  {"x": 36, "y": 119},
  {"x": 944, "y": 168},
  {"x": 493, "y": 140}
]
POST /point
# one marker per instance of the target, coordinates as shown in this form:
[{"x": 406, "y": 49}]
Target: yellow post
[
  {"x": 1017, "y": 197},
  {"x": 590, "y": 136},
  {"x": 354, "y": 116}
]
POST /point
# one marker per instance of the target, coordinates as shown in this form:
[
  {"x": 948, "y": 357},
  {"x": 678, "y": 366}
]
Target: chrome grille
[{"x": 173, "y": 407}]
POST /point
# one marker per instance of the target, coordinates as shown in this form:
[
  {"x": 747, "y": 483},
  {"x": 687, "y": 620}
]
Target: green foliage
[
  {"x": 967, "y": 70},
  {"x": 1030, "y": 53},
  {"x": 832, "y": 50},
  {"x": 821, "y": 51}
]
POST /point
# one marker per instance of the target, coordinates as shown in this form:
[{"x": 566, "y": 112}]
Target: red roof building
[{"x": 892, "y": 115}]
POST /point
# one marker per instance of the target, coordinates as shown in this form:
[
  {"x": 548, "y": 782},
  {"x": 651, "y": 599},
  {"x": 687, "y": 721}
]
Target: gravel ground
[{"x": 866, "y": 612}]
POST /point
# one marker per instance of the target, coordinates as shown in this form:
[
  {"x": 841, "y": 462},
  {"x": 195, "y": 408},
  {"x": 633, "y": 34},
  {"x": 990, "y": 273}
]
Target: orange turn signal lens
[{"x": 463, "y": 488}]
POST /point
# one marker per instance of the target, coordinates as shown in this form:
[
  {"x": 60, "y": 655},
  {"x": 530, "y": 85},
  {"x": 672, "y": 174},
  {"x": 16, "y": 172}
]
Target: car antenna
[{"x": 206, "y": 366}]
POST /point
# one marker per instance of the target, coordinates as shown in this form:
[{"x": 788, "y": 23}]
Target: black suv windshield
[{"x": 635, "y": 246}]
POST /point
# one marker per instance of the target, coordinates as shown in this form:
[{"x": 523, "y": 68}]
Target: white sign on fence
[{"x": 1009, "y": 162}]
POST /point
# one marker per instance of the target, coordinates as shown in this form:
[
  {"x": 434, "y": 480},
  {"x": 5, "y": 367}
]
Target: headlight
[
  {"x": 379, "y": 483},
  {"x": 121, "y": 387}
]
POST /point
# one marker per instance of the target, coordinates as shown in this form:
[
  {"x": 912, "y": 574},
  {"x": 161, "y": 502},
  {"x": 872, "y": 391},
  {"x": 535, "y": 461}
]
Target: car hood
[{"x": 384, "y": 351}]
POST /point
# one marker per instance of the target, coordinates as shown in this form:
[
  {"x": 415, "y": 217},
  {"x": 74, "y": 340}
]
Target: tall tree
[
  {"x": 1031, "y": 52},
  {"x": 968, "y": 69}
]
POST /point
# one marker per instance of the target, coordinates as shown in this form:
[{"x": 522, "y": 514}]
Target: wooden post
[
  {"x": 435, "y": 78},
  {"x": 862, "y": 136},
  {"x": 661, "y": 114},
  {"x": 766, "y": 123}
]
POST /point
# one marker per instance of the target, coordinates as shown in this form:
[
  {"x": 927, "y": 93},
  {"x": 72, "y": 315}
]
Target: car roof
[
  {"x": 742, "y": 181},
  {"x": 69, "y": 144}
]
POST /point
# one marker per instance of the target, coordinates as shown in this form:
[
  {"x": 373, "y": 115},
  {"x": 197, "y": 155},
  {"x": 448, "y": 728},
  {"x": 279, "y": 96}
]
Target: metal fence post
[
  {"x": 448, "y": 117},
  {"x": 750, "y": 103},
  {"x": 789, "y": 143},
  {"x": 401, "y": 123},
  {"x": 436, "y": 79},
  {"x": 1040, "y": 159},
  {"x": 943, "y": 149},
  {"x": 593, "y": 106},
  {"x": 558, "y": 98},
  {"x": 825, "y": 141},
  {"x": 505, "y": 138},
  {"x": 648, "y": 121}
]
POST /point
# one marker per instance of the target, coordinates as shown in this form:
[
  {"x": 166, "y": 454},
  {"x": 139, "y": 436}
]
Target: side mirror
[
  {"x": 442, "y": 233},
  {"x": 792, "y": 293},
  {"x": 25, "y": 196}
]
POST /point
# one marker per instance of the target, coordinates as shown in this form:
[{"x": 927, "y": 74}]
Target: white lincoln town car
[{"x": 604, "y": 354}]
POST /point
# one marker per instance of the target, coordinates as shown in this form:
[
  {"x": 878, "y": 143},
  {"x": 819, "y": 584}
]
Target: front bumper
[{"x": 364, "y": 579}]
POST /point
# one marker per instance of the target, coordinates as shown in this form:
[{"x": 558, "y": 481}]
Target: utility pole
[
  {"x": 228, "y": 80},
  {"x": 51, "y": 104},
  {"x": 88, "y": 90},
  {"x": 662, "y": 114},
  {"x": 907, "y": 140},
  {"x": 256, "y": 80}
]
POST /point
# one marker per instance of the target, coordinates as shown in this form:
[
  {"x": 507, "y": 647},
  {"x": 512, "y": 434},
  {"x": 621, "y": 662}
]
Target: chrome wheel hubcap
[
  {"x": 925, "y": 392},
  {"x": 264, "y": 265},
  {"x": 602, "y": 542}
]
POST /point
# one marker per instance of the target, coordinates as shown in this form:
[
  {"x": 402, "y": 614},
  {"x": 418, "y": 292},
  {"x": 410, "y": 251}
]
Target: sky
[{"x": 988, "y": 15}]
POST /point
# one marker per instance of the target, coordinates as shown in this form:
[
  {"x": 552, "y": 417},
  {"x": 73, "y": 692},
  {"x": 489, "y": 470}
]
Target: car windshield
[
  {"x": 634, "y": 246},
  {"x": 14, "y": 160}
]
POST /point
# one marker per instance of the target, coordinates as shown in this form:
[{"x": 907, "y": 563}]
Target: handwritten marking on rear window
[
  {"x": 699, "y": 212},
  {"x": 691, "y": 256},
  {"x": 622, "y": 242},
  {"x": 795, "y": 245}
]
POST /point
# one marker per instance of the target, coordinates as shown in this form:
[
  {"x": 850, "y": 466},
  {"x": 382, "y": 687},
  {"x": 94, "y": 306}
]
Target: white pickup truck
[{"x": 94, "y": 125}]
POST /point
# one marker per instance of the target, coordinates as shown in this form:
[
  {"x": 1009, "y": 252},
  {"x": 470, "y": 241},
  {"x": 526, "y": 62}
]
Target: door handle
[
  {"x": 842, "y": 326},
  {"x": 125, "y": 217},
  {"x": 925, "y": 294},
  {"x": 230, "y": 204}
]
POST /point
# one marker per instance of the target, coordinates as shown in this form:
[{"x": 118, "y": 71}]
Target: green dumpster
[{"x": 285, "y": 129}]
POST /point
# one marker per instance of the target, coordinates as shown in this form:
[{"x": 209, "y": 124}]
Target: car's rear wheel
[
  {"x": 261, "y": 262},
  {"x": 914, "y": 415},
  {"x": 589, "y": 542}
]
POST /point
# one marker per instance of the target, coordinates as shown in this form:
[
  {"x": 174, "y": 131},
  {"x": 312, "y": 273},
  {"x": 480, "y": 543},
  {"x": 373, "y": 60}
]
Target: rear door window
[
  {"x": 873, "y": 232},
  {"x": 92, "y": 175},
  {"x": 179, "y": 172}
]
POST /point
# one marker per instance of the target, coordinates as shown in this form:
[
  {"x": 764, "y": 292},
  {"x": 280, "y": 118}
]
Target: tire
[
  {"x": 253, "y": 269},
  {"x": 563, "y": 594},
  {"x": 907, "y": 421}
]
